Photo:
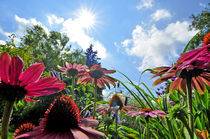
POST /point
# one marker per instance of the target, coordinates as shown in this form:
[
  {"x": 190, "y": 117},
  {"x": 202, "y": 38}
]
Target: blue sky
[{"x": 129, "y": 35}]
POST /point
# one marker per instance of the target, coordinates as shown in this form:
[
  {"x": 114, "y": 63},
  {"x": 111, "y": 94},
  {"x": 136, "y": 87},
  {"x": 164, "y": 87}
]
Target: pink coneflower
[
  {"x": 97, "y": 76},
  {"x": 15, "y": 85},
  {"x": 23, "y": 129},
  {"x": 73, "y": 70},
  {"x": 62, "y": 121},
  {"x": 115, "y": 101},
  {"x": 147, "y": 112}
]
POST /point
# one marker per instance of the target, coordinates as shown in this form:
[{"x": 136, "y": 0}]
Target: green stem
[
  {"x": 116, "y": 124},
  {"x": 147, "y": 130},
  {"x": 95, "y": 93},
  {"x": 72, "y": 88},
  {"x": 184, "y": 121},
  {"x": 189, "y": 98},
  {"x": 6, "y": 118}
]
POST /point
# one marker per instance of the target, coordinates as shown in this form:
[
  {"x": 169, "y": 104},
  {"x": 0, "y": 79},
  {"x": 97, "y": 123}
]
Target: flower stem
[
  {"x": 95, "y": 93},
  {"x": 72, "y": 88},
  {"x": 6, "y": 118},
  {"x": 184, "y": 121},
  {"x": 189, "y": 98},
  {"x": 116, "y": 124},
  {"x": 147, "y": 131}
]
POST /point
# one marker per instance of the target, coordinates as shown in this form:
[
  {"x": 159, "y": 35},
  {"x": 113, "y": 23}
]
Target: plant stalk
[
  {"x": 189, "y": 104},
  {"x": 116, "y": 123},
  {"x": 147, "y": 130},
  {"x": 72, "y": 88},
  {"x": 6, "y": 119},
  {"x": 95, "y": 93}
]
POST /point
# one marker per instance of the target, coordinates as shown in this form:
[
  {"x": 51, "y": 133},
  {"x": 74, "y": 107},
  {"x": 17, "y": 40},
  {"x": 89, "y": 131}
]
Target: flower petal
[
  {"x": 88, "y": 122},
  {"x": 174, "y": 85},
  {"x": 199, "y": 85},
  {"x": 16, "y": 68},
  {"x": 4, "y": 67},
  {"x": 79, "y": 134},
  {"x": 32, "y": 74},
  {"x": 133, "y": 113},
  {"x": 160, "y": 113},
  {"x": 30, "y": 100},
  {"x": 163, "y": 78},
  {"x": 92, "y": 131}
]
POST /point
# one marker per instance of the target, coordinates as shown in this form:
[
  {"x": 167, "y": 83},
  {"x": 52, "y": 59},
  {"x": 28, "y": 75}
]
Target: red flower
[
  {"x": 97, "y": 73},
  {"x": 62, "y": 121},
  {"x": 206, "y": 39},
  {"x": 23, "y": 129},
  {"x": 73, "y": 69},
  {"x": 15, "y": 85},
  {"x": 194, "y": 64},
  {"x": 147, "y": 112}
]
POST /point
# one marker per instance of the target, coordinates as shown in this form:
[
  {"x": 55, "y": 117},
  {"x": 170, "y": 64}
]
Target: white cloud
[
  {"x": 78, "y": 34},
  {"x": 145, "y": 4},
  {"x": 24, "y": 23},
  {"x": 202, "y": 5},
  {"x": 160, "y": 14},
  {"x": 53, "y": 19},
  {"x": 157, "y": 47},
  {"x": 2, "y": 42}
]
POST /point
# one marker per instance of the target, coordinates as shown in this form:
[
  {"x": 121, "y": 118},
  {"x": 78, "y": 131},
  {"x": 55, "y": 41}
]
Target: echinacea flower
[
  {"x": 115, "y": 102},
  {"x": 73, "y": 70},
  {"x": 147, "y": 112},
  {"x": 62, "y": 121},
  {"x": 97, "y": 76},
  {"x": 194, "y": 64},
  {"x": 15, "y": 85},
  {"x": 23, "y": 129}
]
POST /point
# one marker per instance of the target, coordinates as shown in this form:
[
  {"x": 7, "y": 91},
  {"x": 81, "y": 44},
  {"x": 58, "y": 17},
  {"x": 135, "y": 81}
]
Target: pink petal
[
  {"x": 30, "y": 100},
  {"x": 160, "y": 113},
  {"x": 61, "y": 68},
  {"x": 89, "y": 122},
  {"x": 79, "y": 134},
  {"x": 16, "y": 68},
  {"x": 133, "y": 113},
  {"x": 46, "y": 90},
  {"x": 92, "y": 131},
  {"x": 32, "y": 74},
  {"x": 4, "y": 67}
]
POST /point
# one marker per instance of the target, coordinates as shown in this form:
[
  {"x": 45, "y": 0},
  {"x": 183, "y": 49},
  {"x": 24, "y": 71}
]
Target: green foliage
[{"x": 201, "y": 23}]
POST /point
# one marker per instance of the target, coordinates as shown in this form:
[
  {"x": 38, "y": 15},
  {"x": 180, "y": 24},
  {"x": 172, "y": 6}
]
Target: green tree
[{"x": 200, "y": 23}]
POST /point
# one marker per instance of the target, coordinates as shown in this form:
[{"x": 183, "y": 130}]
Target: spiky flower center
[
  {"x": 191, "y": 73},
  {"x": 116, "y": 101},
  {"x": 72, "y": 72},
  {"x": 146, "y": 109},
  {"x": 62, "y": 115},
  {"x": 96, "y": 74},
  {"x": 24, "y": 128},
  {"x": 12, "y": 92}
]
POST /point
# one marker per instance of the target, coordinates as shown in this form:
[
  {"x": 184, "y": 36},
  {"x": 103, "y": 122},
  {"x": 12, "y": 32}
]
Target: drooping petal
[
  {"x": 89, "y": 122},
  {"x": 32, "y": 74},
  {"x": 16, "y": 68},
  {"x": 62, "y": 68},
  {"x": 199, "y": 85},
  {"x": 4, "y": 67},
  {"x": 133, "y": 113},
  {"x": 151, "y": 114},
  {"x": 160, "y": 113},
  {"x": 92, "y": 131},
  {"x": 79, "y": 134},
  {"x": 30, "y": 100},
  {"x": 163, "y": 78},
  {"x": 174, "y": 85},
  {"x": 182, "y": 86},
  {"x": 109, "y": 71}
]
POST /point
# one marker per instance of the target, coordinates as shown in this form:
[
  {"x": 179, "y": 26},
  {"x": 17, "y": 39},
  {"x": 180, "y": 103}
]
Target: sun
[{"x": 86, "y": 18}]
